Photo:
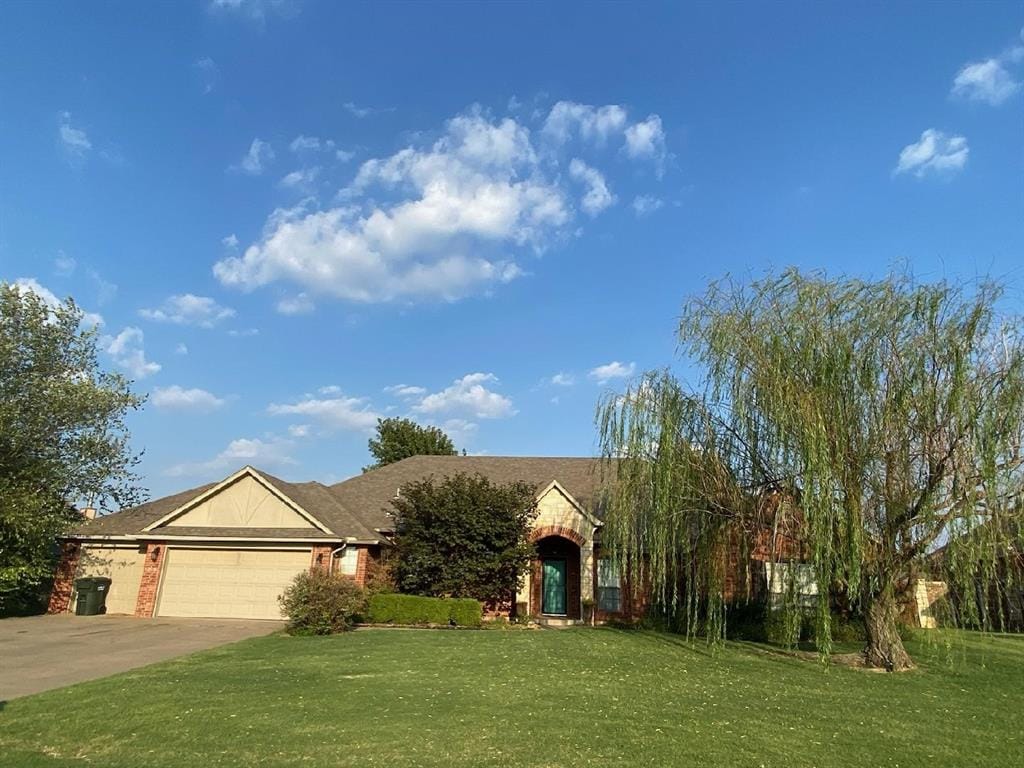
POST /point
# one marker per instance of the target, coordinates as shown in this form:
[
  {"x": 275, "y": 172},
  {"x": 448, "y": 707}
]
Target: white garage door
[
  {"x": 227, "y": 583},
  {"x": 122, "y": 565}
]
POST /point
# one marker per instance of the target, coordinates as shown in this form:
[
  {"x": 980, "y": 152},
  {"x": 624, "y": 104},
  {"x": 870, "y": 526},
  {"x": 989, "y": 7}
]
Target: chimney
[{"x": 89, "y": 513}]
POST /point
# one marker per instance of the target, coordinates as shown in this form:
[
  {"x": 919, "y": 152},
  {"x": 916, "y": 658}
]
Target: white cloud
[
  {"x": 644, "y": 205},
  {"x": 272, "y": 452},
  {"x": 64, "y": 265},
  {"x": 359, "y": 111},
  {"x": 181, "y": 349},
  {"x": 563, "y": 379},
  {"x": 602, "y": 374},
  {"x": 127, "y": 351},
  {"x": 986, "y": 81},
  {"x": 595, "y": 124},
  {"x": 405, "y": 390},
  {"x": 75, "y": 141},
  {"x": 208, "y": 73},
  {"x": 178, "y": 398},
  {"x": 935, "y": 153},
  {"x": 344, "y": 155},
  {"x": 31, "y": 285},
  {"x": 305, "y": 144},
  {"x": 243, "y": 333},
  {"x": 460, "y": 431},
  {"x": 597, "y": 196},
  {"x": 344, "y": 413},
  {"x": 260, "y": 154},
  {"x": 189, "y": 309},
  {"x": 105, "y": 290},
  {"x": 300, "y": 304},
  {"x": 299, "y": 430},
  {"x": 476, "y": 191},
  {"x": 256, "y": 11},
  {"x": 468, "y": 396},
  {"x": 302, "y": 178},
  {"x": 231, "y": 241},
  {"x": 646, "y": 140},
  {"x": 330, "y": 389}
]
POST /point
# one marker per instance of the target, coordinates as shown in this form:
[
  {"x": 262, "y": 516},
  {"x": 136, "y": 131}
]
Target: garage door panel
[
  {"x": 122, "y": 565},
  {"x": 242, "y": 584}
]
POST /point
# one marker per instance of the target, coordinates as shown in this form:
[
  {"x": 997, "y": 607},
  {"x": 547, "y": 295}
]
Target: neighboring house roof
[
  {"x": 356, "y": 509},
  {"x": 372, "y": 492}
]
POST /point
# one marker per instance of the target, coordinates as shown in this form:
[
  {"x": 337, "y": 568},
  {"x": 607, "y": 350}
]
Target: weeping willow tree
[{"x": 880, "y": 420}]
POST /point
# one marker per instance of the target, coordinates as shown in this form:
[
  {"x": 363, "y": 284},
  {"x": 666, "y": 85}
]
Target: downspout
[{"x": 333, "y": 556}]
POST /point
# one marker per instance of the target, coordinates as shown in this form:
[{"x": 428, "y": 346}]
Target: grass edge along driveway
[{"x": 594, "y": 697}]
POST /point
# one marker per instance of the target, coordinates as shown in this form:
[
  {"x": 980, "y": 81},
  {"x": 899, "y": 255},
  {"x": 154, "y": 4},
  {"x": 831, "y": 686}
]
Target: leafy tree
[
  {"x": 463, "y": 536},
  {"x": 399, "y": 439},
  {"x": 890, "y": 413},
  {"x": 62, "y": 433}
]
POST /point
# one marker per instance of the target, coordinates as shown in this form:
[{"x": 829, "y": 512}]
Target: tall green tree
[
  {"x": 463, "y": 536},
  {"x": 62, "y": 433},
  {"x": 399, "y": 439},
  {"x": 891, "y": 414}
]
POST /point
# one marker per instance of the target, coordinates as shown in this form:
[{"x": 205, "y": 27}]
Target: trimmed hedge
[{"x": 414, "y": 609}]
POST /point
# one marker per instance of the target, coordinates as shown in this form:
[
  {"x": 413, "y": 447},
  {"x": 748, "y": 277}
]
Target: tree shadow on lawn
[{"x": 699, "y": 646}]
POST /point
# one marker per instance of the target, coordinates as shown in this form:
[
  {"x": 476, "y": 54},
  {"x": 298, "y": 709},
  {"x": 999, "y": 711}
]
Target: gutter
[{"x": 261, "y": 539}]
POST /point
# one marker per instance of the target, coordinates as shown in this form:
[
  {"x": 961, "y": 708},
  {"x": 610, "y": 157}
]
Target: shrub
[
  {"x": 380, "y": 577},
  {"x": 414, "y": 609},
  {"x": 848, "y": 629},
  {"x": 746, "y": 621},
  {"x": 320, "y": 603},
  {"x": 465, "y": 612},
  {"x": 463, "y": 536}
]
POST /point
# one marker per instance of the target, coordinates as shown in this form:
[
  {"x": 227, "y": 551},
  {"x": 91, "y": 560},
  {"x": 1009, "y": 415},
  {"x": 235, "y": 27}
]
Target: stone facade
[{"x": 560, "y": 529}]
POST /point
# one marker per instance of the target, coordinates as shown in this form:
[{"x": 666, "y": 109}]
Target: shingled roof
[
  {"x": 370, "y": 494},
  {"x": 134, "y": 519},
  {"x": 358, "y": 508}
]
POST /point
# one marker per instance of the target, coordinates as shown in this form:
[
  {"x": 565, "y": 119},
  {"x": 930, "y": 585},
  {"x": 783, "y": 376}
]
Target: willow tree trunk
[{"x": 884, "y": 648}]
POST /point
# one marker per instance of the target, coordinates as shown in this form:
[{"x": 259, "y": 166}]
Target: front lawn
[{"x": 515, "y": 698}]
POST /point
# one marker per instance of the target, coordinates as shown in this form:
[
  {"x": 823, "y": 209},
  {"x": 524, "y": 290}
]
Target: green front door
[{"x": 554, "y": 587}]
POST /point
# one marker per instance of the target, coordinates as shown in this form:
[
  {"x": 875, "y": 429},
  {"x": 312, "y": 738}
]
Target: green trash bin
[{"x": 92, "y": 596}]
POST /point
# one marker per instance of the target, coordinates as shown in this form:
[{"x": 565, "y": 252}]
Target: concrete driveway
[{"x": 38, "y": 653}]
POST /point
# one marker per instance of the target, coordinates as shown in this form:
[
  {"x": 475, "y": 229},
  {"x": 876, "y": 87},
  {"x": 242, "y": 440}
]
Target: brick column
[
  {"x": 64, "y": 578},
  {"x": 362, "y": 558},
  {"x": 320, "y": 558},
  {"x": 150, "y": 583}
]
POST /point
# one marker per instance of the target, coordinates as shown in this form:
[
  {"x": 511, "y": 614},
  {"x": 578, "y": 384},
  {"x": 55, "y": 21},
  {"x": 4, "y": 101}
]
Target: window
[
  {"x": 609, "y": 592},
  {"x": 348, "y": 558},
  {"x": 796, "y": 576}
]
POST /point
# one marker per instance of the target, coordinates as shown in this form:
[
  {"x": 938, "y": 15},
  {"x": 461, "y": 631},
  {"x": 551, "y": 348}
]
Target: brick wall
[
  {"x": 150, "y": 583},
  {"x": 320, "y": 557},
  {"x": 64, "y": 579},
  {"x": 361, "y": 562},
  {"x": 744, "y": 576}
]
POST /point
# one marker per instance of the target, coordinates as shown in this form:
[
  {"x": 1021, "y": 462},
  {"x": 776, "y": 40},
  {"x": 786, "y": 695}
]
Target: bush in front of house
[
  {"x": 418, "y": 610},
  {"x": 463, "y": 536},
  {"x": 321, "y": 603}
]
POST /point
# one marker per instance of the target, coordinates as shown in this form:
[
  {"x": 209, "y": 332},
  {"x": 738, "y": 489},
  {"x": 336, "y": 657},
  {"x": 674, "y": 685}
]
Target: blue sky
[{"x": 292, "y": 217}]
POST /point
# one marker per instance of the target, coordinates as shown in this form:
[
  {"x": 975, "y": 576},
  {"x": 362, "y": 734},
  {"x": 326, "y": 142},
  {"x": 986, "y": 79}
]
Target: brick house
[{"x": 228, "y": 549}]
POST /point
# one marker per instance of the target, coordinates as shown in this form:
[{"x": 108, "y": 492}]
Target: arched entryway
[{"x": 555, "y": 576}]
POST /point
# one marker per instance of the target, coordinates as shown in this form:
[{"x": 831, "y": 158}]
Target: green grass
[{"x": 517, "y": 698}]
